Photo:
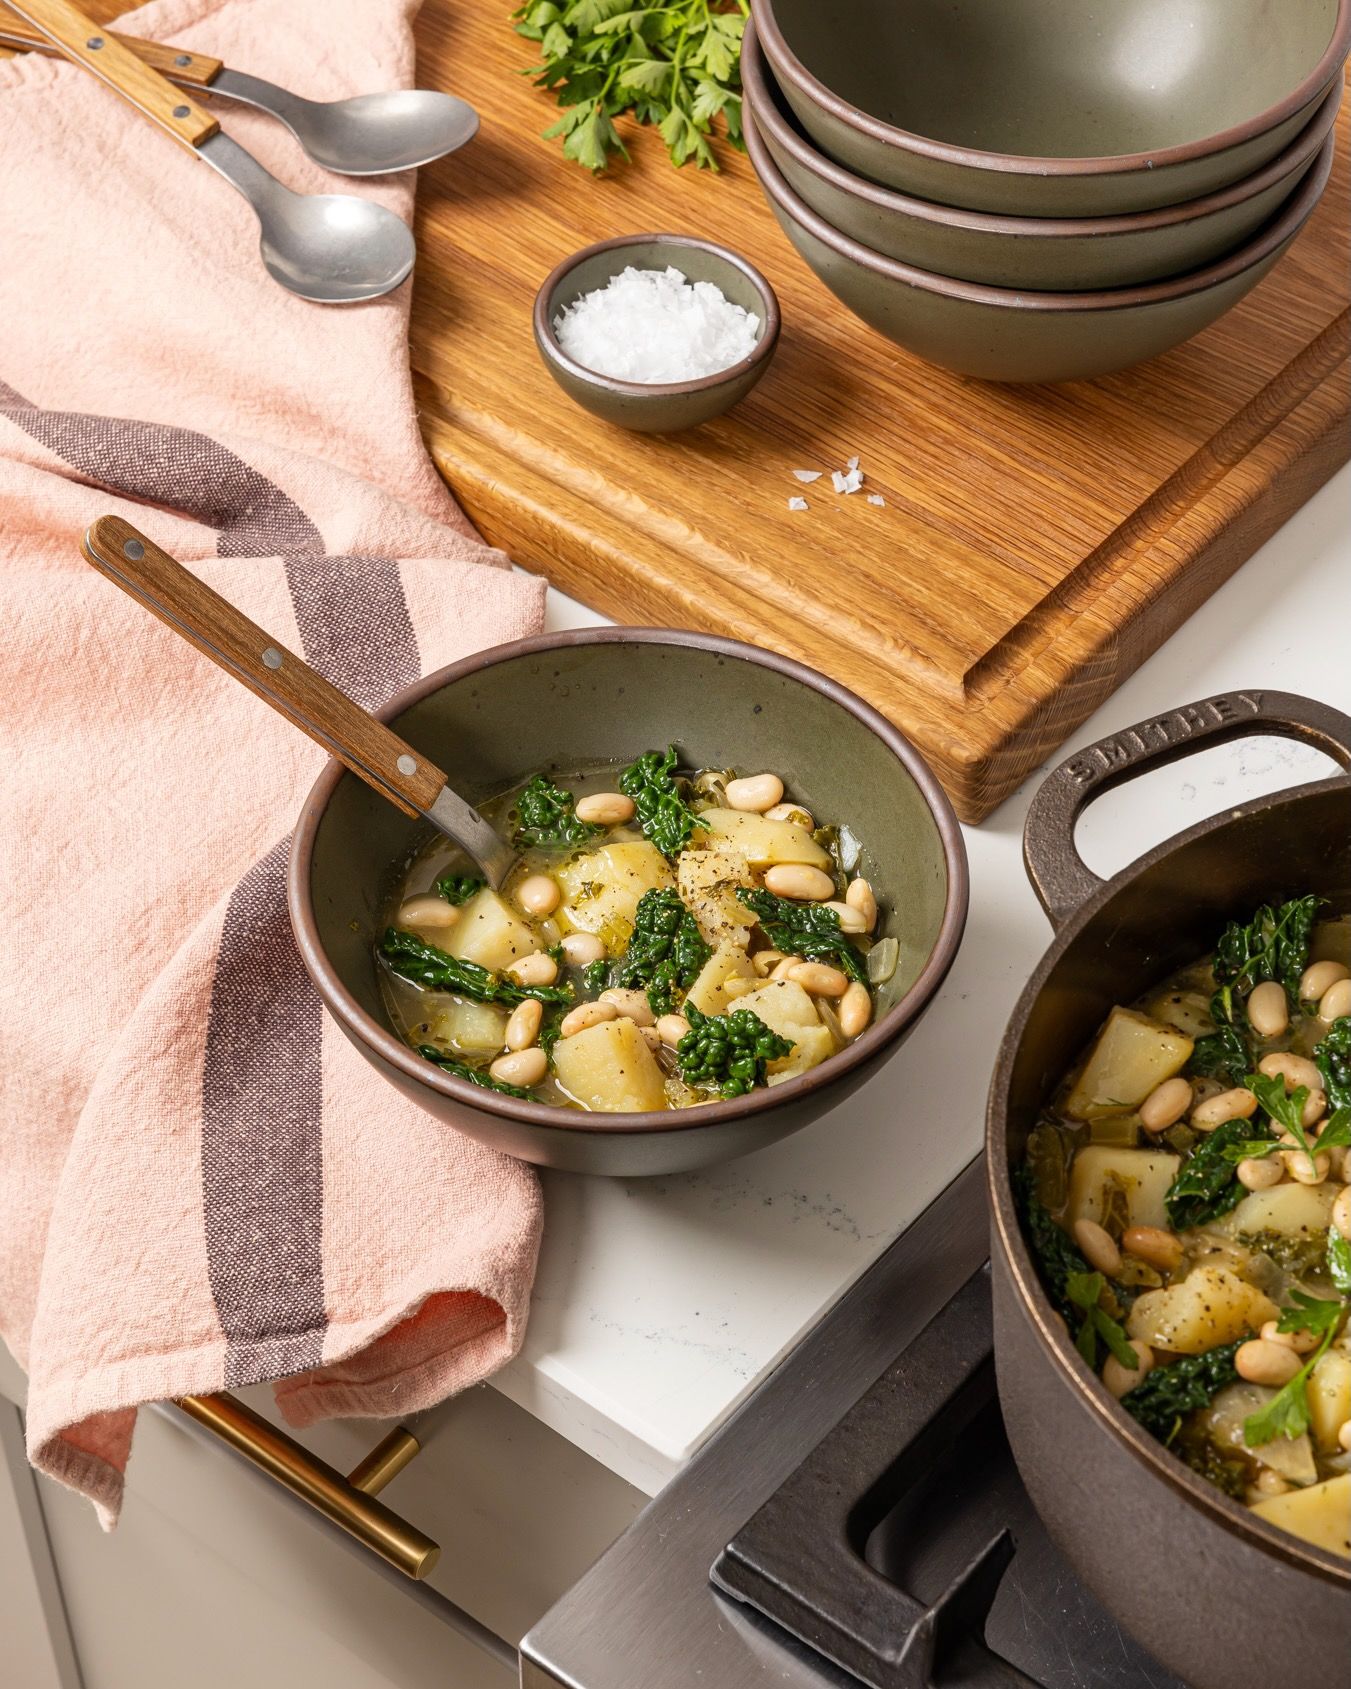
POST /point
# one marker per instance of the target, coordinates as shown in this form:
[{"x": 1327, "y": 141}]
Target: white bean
[
  {"x": 672, "y": 1028},
  {"x": 580, "y": 949},
  {"x": 1160, "y": 1248},
  {"x": 1335, "y": 1001},
  {"x": 860, "y": 896},
  {"x": 1341, "y": 1212},
  {"x": 1315, "y": 1107},
  {"x": 1261, "y": 1362},
  {"x": 795, "y": 879},
  {"x": 1119, "y": 1379},
  {"x": 850, "y": 919},
  {"x": 1268, "y": 1010},
  {"x": 427, "y": 911},
  {"x": 781, "y": 970},
  {"x": 792, "y": 812},
  {"x": 819, "y": 980},
  {"x": 1236, "y": 1104},
  {"x": 1260, "y": 1173},
  {"x": 521, "y": 1067},
  {"x": 539, "y": 895},
  {"x": 633, "y": 1005},
  {"x": 1269, "y": 1482},
  {"x": 1295, "y": 1070},
  {"x": 584, "y": 1015},
  {"x": 1317, "y": 977},
  {"x": 754, "y": 792},
  {"x": 855, "y": 1010},
  {"x": 1098, "y": 1249},
  {"x": 1302, "y": 1170},
  {"x": 538, "y": 968},
  {"x": 523, "y": 1024},
  {"x": 604, "y": 809},
  {"x": 1302, "y": 1342},
  {"x": 1344, "y": 1436},
  {"x": 1165, "y": 1105}
]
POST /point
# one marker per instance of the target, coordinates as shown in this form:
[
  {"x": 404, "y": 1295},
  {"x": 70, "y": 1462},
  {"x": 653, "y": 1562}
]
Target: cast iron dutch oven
[
  {"x": 1220, "y": 1597},
  {"x": 566, "y": 701}
]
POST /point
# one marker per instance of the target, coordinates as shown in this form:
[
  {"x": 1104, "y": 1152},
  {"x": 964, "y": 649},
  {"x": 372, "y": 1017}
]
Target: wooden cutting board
[{"x": 1036, "y": 543}]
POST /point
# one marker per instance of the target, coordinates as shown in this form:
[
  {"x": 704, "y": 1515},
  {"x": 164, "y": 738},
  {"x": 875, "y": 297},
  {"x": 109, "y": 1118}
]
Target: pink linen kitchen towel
[{"x": 202, "y": 1185}]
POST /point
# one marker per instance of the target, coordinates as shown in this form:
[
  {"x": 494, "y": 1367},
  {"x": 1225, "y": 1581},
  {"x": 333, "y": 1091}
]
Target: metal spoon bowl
[
  {"x": 335, "y": 249},
  {"x": 366, "y": 135}
]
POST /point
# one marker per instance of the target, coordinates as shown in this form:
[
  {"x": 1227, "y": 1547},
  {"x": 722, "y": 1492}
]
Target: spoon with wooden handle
[
  {"x": 335, "y": 249},
  {"x": 364, "y": 135},
  {"x": 411, "y": 781}
]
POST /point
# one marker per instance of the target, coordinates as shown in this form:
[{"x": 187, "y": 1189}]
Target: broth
[{"x": 640, "y": 919}]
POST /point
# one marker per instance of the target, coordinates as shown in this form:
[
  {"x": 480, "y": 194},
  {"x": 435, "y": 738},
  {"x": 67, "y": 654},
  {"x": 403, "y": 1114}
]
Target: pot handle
[{"x": 1059, "y": 876}]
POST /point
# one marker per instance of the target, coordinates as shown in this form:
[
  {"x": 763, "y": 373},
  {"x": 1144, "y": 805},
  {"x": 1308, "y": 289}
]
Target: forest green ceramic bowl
[
  {"x": 1054, "y": 108},
  {"x": 571, "y": 700},
  {"x": 1002, "y": 334},
  {"x": 1061, "y": 254},
  {"x": 656, "y": 407}
]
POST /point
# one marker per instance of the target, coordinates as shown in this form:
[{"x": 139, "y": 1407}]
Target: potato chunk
[
  {"x": 609, "y": 1069},
  {"x": 764, "y": 842},
  {"x": 1294, "y": 1211},
  {"x": 1210, "y": 1306},
  {"x": 709, "y": 993},
  {"x": 490, "y": 933},
  {"x": 1133, "y": 1054},
  {"x": 469, "y": 1028},
  {"x": 1145, "y": 1174},
  {"x": 601, "y": 889},
  {"x": 1320, "y": 1514},
  {"x": 707, "y": 881},
  {"x": 1329, "y": 1399},
  {"x": 787, "y": 1009}
]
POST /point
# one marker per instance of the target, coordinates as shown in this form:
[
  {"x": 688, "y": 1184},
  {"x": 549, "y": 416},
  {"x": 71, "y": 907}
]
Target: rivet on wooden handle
[
  {"x": 84, "y": 42},
  {"x": 177, "y": 63},
  {"x": 132, "y": 561}
]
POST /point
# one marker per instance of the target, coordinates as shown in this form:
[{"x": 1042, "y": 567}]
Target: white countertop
[{"x": 660, "y": 1303}]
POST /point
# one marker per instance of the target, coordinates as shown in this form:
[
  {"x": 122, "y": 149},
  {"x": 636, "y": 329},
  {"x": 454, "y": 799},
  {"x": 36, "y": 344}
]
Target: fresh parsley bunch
[{"x": 676, "y": 65}]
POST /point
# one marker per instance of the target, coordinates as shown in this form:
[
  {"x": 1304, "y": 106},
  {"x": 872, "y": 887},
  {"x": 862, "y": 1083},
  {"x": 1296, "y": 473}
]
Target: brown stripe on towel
[{"x": 262, "y": 1108}]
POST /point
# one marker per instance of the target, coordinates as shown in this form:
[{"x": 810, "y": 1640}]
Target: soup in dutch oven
[
  {"x": 664, "y": 941},
  {"x": 1186, "y": 1198}
]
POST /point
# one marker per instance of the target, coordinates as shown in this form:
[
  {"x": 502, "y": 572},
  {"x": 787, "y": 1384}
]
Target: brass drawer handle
[{"x": 347, "y": 1501}]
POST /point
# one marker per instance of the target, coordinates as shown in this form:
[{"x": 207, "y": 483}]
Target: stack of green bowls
[{"x": 1042, "y": 190}]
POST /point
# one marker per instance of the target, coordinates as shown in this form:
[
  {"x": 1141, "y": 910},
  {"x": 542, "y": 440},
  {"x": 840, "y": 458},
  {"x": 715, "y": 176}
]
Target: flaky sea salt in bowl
[{"x": 616, "y": 321}]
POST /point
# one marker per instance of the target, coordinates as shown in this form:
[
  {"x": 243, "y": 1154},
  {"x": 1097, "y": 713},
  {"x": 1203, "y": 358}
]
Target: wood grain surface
[{"x": 1036, "y": 543}]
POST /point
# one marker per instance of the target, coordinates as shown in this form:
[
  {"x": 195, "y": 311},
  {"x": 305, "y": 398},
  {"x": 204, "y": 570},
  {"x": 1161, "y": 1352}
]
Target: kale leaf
[
  {"x": 1273, "y": 945},
  {"x": 545, "y": 815},
  {"x": 1165, "y": 1396},
  {"x": 1058, "y": 1261},
  {"x": 666, "y": 950},
  {"x": 1207, "y": 1184},
  {"x": 804, "y": 929},
  {"x": 1222, "y": 1054},
  {"x": 423, "y": 964},
  {"x": 727, "y": 1053},
  {"x": 475, "y": 1075},
  {"x": 662, "y": 813},
  {"x": 1333, "y": 1056},
  {"x": 458, "y": 888}
]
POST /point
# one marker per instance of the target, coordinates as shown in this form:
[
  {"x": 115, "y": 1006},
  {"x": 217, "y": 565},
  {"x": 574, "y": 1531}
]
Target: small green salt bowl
[{"x": 656, "y": 407}]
